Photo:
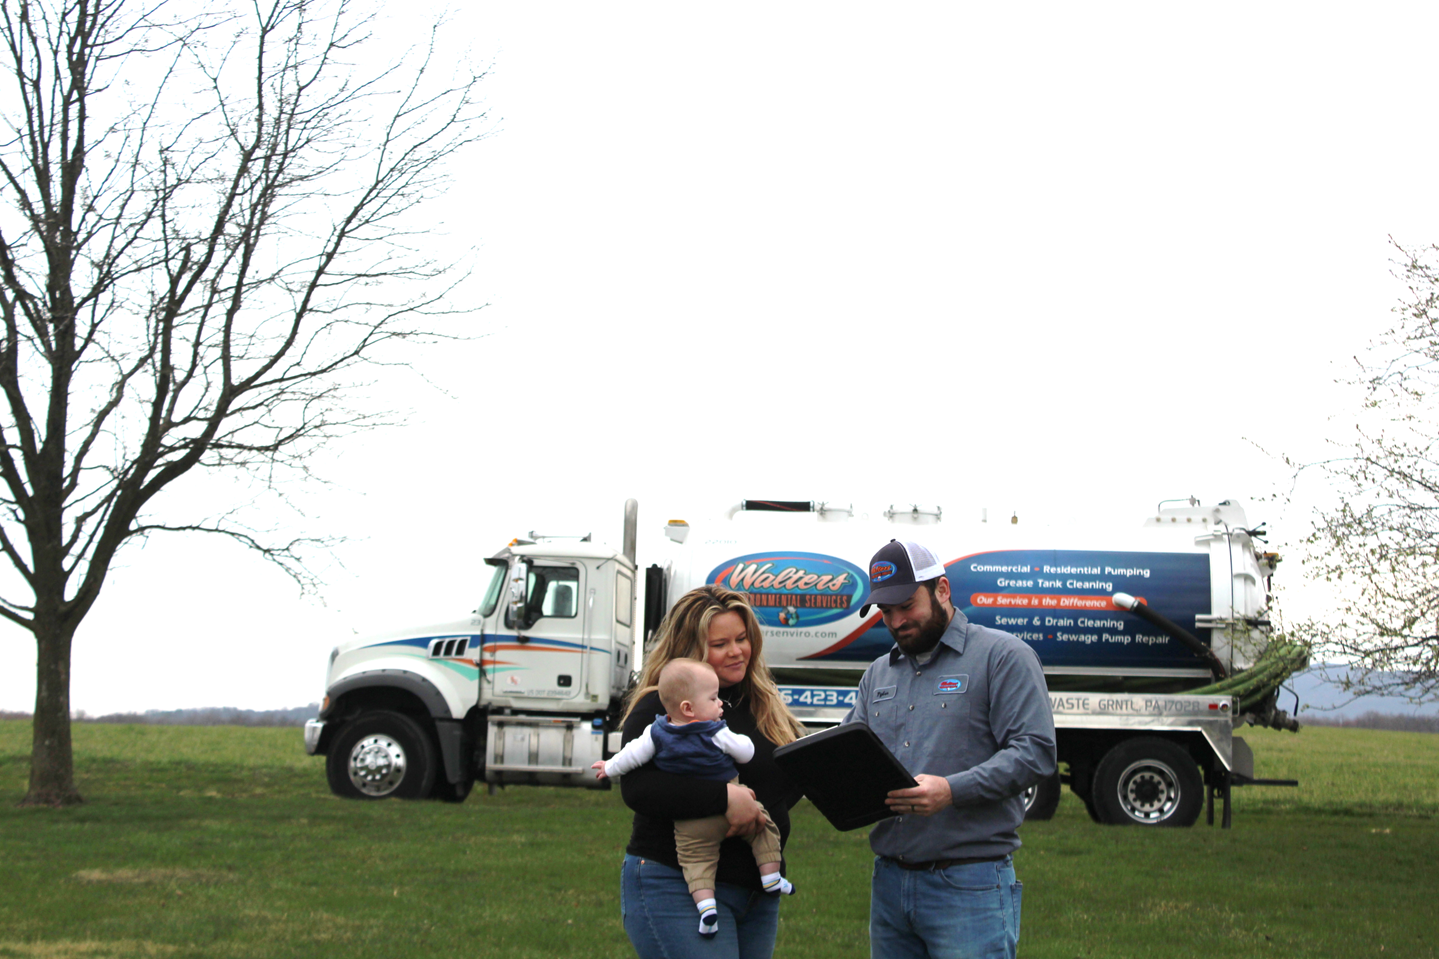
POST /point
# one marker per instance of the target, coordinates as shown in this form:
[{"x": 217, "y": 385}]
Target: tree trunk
[{"x": 52, "y": 767}]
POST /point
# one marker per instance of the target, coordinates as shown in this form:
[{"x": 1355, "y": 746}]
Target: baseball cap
[{"x": 896, "y": 571}]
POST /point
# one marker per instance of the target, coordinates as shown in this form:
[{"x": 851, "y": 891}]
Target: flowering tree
[{"x": 1379, "y": 548}]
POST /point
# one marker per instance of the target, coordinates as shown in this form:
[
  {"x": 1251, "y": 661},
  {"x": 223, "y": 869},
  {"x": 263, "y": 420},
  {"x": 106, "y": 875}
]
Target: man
[{"x": 965, "y": 709}]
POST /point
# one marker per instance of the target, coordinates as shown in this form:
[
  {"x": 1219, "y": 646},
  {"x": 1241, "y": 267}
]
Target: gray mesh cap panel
[{"x": 926, "y": 564}]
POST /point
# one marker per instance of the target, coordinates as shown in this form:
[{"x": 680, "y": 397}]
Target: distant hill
[
  {"x": 1391, "y": 721},
  {"x": 1321, "y": 702},
  {"x": 207, "y": 716},
  {"x": 1320, "y": 698}
]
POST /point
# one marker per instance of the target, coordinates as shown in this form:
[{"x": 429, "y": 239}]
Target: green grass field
[{"x": 224, "y": 842}]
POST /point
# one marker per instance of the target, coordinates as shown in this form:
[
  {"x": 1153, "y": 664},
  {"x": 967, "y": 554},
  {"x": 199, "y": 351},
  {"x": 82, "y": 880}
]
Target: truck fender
[{"x": 424, "y": 690}]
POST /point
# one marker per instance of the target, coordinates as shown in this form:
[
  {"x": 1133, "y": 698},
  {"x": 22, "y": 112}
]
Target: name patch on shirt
[
  {"x": 883, "y": 693},
  {"x": 951, "y": 685}
]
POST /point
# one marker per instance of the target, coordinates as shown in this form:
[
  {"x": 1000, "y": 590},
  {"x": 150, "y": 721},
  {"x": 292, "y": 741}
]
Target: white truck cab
[{"x": 524, "y": 689}]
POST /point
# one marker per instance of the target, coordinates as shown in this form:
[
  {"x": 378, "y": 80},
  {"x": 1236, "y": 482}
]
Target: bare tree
[
  {"x": 1379, "y": 548},
  {"x": 207, "y": 240}
]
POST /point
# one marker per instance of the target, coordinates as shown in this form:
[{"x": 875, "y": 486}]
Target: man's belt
[{"x": 936, "y": 864}]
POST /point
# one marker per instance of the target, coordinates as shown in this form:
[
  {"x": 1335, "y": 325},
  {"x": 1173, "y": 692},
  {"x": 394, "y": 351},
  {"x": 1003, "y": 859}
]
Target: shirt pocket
[
  {"x": 881, "y": 704},
  {"x": 950, "y": 698},
  {"x": 947, "y": 711}
]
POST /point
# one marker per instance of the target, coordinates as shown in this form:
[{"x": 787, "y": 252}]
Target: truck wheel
[
  {"x": 1041, "y": 799},
  {"x": 1148, "y": 781},
  {"x": 381, "y": 755}
]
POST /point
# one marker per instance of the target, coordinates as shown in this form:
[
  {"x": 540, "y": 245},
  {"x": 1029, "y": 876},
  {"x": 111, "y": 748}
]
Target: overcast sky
[{"x": 1054, "y": 259}]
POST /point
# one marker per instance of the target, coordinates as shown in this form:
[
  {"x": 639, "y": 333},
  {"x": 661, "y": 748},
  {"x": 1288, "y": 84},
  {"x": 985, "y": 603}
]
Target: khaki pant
[{"x": 697, "y": 842}]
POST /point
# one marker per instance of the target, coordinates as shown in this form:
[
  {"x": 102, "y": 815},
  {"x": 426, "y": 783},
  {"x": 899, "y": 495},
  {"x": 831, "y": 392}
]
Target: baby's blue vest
[{"x": 690, "y": 750}]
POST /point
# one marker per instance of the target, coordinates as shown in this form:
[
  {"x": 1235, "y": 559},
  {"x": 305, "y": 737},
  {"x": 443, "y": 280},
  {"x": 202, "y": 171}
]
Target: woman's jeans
[
  {"x": 963, "y": 912},
  {"x": 663, "y": 923}
]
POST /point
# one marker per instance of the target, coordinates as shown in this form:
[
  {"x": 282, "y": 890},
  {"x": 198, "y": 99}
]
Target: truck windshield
[{"x": 497, "y": 585}]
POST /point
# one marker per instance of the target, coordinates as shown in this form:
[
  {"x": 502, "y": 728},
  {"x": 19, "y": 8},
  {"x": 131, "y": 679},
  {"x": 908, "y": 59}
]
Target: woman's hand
[{"x": 745, "y": 814}]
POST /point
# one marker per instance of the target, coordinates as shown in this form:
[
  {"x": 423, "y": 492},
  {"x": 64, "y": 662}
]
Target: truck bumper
[{"x": 313, "y": 729}]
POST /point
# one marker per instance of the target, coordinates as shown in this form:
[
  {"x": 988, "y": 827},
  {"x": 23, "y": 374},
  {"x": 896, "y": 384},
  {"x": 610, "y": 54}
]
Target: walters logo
[
  {"x": 795, "y": 589},
  {"x": 952, "y": 684},
  {"x": 881, "y": 571}
]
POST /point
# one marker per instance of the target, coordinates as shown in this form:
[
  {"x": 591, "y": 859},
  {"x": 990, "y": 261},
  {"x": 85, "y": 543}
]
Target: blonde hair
[
  {"x": 684, "y": 634},
  {"x": 680, "y": 680}
]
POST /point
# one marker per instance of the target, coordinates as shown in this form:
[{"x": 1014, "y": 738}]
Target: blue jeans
[
  {"x": 963, "y": 912},
  {"x": 663, "y": 923}
]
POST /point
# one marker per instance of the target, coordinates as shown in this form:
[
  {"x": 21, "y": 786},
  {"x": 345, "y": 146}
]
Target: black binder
[{"x": 846, "y": 772}]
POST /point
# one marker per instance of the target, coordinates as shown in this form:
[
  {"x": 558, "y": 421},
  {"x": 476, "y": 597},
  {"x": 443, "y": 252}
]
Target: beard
[{"x": 927, "y": 636}]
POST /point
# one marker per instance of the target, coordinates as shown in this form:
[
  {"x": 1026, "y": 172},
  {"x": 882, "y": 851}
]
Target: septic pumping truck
[{"x": 1154, "y": 636}]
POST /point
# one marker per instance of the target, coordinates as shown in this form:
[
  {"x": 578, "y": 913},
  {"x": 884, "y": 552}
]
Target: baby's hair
[{"x": 679, "y": 680}]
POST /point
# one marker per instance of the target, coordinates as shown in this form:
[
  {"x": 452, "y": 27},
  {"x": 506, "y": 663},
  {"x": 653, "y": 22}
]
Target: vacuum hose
[{"x": 1137, "y": 607}]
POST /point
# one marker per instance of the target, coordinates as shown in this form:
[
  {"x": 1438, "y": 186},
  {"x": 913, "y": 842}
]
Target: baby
[{"x": 692, "y": 740}]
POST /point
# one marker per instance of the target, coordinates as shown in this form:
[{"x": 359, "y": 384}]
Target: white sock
[
  {"x": 709, "y": 917},
  {"x": 775, "y": 883}
]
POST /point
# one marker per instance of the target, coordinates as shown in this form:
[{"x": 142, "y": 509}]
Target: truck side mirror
[{"x": 519, "y": 586}]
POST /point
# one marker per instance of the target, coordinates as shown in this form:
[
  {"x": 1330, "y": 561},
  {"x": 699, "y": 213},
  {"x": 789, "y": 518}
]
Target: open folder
[{"x": 846, "y": 772}]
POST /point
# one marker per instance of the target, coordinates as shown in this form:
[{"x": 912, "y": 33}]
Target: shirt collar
[{"x": 953, "y": 637}]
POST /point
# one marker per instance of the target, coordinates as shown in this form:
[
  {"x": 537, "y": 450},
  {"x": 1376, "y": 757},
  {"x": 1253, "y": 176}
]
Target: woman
[{"x": 714, "y": 625}]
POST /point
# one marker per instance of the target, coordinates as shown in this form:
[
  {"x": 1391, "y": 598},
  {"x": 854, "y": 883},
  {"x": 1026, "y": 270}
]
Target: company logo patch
[
  {"x": 950, "y": 685},
  {"x": 795, "y": 590},
  {"x": 881, "y": 571}
]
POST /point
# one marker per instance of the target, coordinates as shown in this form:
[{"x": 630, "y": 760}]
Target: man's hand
[
  {"x": 929, "y": 797},
  {"x": 745, "y": 814}
]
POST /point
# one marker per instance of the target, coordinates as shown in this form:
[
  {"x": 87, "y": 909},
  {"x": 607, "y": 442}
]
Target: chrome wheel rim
[
  {"x": 377, "y": 765},
  {"x": 1148, "y": 791}
]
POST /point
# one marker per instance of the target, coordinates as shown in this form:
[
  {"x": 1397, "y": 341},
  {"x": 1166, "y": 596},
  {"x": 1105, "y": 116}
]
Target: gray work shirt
[{"x": 978, "y": 714}]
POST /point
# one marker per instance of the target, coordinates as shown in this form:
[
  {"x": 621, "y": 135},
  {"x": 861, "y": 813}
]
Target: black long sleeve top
[{"x": 659, "y": 798}]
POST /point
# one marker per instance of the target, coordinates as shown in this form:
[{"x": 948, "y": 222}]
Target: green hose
[{"x": 1280, "y": 661}]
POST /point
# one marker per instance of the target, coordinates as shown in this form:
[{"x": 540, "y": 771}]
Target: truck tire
[
  {"x": 382, "y": 755},
  {"x": 1149, "y": 782},
  {"x": 1042, "y": 799}
]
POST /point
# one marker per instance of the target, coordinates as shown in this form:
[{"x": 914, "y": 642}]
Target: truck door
[{"x": 546, "y": 658}]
